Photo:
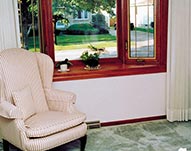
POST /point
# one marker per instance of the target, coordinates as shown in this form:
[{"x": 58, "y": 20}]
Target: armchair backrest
[
  {"x": 20, "y": 68},
  {"x": 46, "y": 68}
]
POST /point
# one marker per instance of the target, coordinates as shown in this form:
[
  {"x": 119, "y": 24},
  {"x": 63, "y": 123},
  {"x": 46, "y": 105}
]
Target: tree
[
  {"x": 63, "y": 7},
  {"x": 25, "y": 21},
  {"x": 71, "y": 6},
  {"x": 29, "y": 8},
  {"x": 56, "y": 17},
  {"x": 96, "y": 5}
]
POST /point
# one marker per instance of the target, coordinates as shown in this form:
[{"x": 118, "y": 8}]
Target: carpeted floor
[{"x": 146, "y": 136}]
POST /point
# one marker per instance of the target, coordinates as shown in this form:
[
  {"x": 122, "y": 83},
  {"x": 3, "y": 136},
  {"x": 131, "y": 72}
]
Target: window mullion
[{"x": 46, "y": 28}]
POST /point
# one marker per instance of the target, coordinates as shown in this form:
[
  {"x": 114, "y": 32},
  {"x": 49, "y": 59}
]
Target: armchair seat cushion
[{"x": 51, "y": 122}]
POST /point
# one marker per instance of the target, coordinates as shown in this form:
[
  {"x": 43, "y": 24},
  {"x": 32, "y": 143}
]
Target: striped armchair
[{"x": 33, "y": 115}]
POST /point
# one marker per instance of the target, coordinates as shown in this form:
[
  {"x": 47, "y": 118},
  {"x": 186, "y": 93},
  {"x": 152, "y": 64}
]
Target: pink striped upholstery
[
  {"x": 20, "y": 69},
  {"x": 46, "y": 67},
  {"x": 47, "y": 123},
  {"x": 60, "y": 100},
  {"x": 56, "y": 139},
  {"x": 9, "y": 110},
  {"x": 56, "y": 120},
  {"x": 24, "y": 101}
]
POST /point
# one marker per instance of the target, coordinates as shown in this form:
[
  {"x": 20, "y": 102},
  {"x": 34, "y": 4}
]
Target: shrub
[
  {"x": 82, "y": 29},
  {"x": 99, "y": 22}
]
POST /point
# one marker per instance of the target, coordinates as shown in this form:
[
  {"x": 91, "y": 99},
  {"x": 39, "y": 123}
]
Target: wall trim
[{"x": 112, "y": 123}]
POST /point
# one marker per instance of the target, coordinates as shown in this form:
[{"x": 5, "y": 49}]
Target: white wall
[{"x": 119, "y": 98}]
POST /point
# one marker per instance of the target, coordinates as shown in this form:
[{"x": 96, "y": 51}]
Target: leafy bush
[
  {"x": 99, "y": 22},
  {"x": 82, "y": 29}
]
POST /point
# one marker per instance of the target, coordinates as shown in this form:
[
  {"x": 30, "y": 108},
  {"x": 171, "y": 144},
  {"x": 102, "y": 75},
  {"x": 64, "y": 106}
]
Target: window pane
[
  {"x": 82, "y": 27},
  {"x": 85, "y": 14},
  {"x": 79, "y": 14},
  {"x": 28, "y": 20},
  {"x": 142, "y": 29}
]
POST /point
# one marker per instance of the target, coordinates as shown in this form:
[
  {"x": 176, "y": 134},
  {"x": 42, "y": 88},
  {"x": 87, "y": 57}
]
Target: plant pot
[{"x": 92, "y": 63}]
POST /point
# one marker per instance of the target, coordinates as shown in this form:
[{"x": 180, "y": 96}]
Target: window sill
[{"x": 77, "y": 72}]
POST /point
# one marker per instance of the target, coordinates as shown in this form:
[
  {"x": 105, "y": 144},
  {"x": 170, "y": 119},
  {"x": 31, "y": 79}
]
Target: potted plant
[
  {"x": 66, "y": 61},
  {"x": 91, "y": 57}
]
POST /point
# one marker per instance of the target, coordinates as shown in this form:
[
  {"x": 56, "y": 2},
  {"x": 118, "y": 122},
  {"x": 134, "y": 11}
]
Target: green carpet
[{"x": 146, "y": 136}]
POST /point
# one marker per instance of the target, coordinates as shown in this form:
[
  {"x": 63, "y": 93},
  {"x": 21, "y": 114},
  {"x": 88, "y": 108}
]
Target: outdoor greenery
[
  {"x": 29, "y": 9},
  {"x": 99, "y": 22},
  {"x": 79, "y": 39},
  {"x": 82, "y": 29},
  {"x": 71, "y": 42},
  {"x": 150, "y": 30},
  {"x": 85, "y": 45},
  {"x": 71, "y": 6},
  {"x": 31, "y": 46},
  {"x": 68, "y": 42}
]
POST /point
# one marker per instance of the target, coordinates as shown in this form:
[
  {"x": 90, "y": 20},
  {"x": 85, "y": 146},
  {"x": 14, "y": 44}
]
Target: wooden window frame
[
  {"x": 160, "y": 36},
  {"x": 111, "y": 66}
]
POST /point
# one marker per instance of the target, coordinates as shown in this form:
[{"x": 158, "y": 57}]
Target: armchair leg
[
  {"x": 9, "y": 147},
  {"x": 83, "y": 143},
  {"x": 5, "y": 145}
]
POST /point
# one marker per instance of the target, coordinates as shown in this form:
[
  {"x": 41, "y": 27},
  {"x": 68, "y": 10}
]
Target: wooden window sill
[{"x": 78, "y": 72}]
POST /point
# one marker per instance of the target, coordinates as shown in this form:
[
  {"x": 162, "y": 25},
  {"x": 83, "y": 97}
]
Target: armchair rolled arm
[
  {"x": 60, "y": 100},
  {"x": 10, "y": 111}
]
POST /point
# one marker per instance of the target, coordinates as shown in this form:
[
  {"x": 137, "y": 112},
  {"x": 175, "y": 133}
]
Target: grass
[
  {"x": 150, "y": 30},
  {"x": 67, "y": 42},
  {"x": 31, "y": 44},
  {"x": 85, "y": 45}
]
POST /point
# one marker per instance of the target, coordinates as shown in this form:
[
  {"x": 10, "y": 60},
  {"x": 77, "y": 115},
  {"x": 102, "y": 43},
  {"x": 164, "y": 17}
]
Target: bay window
[{"x": 135, "y": 35}]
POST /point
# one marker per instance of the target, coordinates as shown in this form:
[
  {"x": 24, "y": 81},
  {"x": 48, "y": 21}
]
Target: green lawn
[
  {"x": 67, "y": 42},
  {"x": 85, "y": 45},
  {"x": 149, "y": 30},
  {"x": 31, "y": 44}
]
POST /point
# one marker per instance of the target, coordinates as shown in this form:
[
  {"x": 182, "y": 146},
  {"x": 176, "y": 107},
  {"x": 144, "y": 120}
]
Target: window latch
[{"x": 140, "y": 61}]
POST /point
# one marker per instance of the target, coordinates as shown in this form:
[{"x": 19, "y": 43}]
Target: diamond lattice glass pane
[{"x": 142, "y": 29}]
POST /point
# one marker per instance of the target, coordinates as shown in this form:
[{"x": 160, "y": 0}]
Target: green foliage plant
[
  {"x": 66, "y": 61},
  {"x": 82, "y": 29},
  {"x": 91, "y": 57}
]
